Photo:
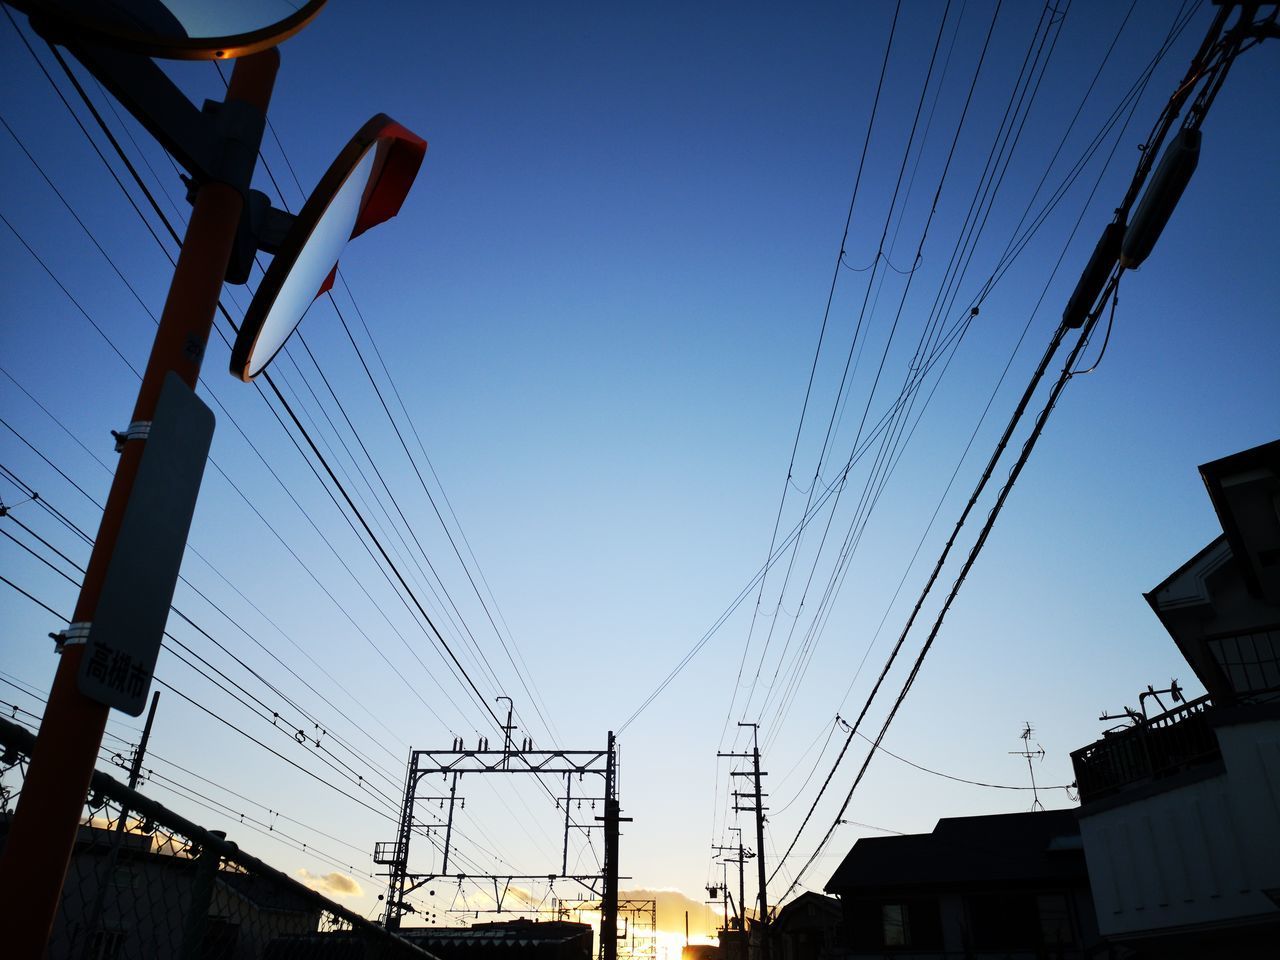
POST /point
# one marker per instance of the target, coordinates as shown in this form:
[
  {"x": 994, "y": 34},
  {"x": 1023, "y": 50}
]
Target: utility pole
[
  {"x": 41, "y": 838},
  {"x": 717, "y": 849},
  {"x": 724, "y": 893},
  {"x": 396, "y": 854},
  {"x": 742, "y": 869},
  {"x": 448, "y": 829},
  {"x": 612, "y": 818},
  {"x": 721, "y": 891},
  {"x": 135, "y": 773},
  {"x": 740, "y": 919},
  {"x": 741, "y": 860},
  {"x": 758, "y": 809},
  {"x": 507, "y": 728},
  {"x": 568, "y": 799},
  {"x": 108, "y": 652}
]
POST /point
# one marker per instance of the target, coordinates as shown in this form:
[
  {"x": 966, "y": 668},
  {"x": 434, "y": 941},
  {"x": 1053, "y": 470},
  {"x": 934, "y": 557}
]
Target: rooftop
[{"x": 1004, "y": 848}]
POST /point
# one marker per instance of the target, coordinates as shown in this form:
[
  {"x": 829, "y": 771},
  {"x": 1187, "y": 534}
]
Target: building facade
[
  {"x": 1009, "y": 886},
  {"x": 806, "y": 928},
  {"x": 1180, "y": 812}
]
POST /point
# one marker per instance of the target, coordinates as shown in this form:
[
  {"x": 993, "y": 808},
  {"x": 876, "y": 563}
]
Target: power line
[
  {"x": 846, "y": 373},
  {"x": 1179, "y": 23},
  {"x": 220, "y": 610},
  {"x": 947, "y": 776},
  {"x": 867, "y": 502},
  {"x": 209, "y": 803},
  {"x": 444, "y": 495},
  {"x": 174, "y": 640},
  {"x": 826, "y": 314},
  {"x": 925, "y": 368},
  {"x": 183, "y": 579},
  {"x": 1017, "y": 346},
  {"x": 1054, "y": 392},
  {"x": 440, "y": 638},
  {"x": 93, "y": 323},
  {"x": 66, "y": 204},
  {"x": 200, "y": 706},
  {"x": 435, "y": 634},
  {"x": 316, "y": 725},
  {"x": 522, "y": 668},
  {"x": 142, "y": 186},
  {"x": 453, "y": 543},
  {"x": 1014, "y": 248}
]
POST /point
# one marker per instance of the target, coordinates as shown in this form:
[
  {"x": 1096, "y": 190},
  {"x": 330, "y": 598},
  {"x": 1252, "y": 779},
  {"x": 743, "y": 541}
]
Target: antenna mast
[{"x": 1029, "y": 754}]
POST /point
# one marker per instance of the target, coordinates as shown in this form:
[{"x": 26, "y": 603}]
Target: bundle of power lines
[{"x": 310, "y": 733}]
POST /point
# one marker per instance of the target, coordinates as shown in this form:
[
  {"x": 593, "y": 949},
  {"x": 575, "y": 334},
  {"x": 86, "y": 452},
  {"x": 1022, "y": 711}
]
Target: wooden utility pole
[
  {"x": 743, "y": 853},
  {"x": 741, "y": 860},
  {"x": 758, "y": 808}
]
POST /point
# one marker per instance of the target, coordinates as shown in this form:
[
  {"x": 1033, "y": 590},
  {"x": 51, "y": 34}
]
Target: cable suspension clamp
[
  {"x": 76, "y": 635},
  {"x": 138, "y": 430}
]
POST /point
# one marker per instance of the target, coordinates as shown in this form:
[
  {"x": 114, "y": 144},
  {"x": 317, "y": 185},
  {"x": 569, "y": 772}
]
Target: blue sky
[{"x": 600, "y": 305}]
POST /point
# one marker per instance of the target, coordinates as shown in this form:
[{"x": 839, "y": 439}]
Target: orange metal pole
[{"x": 43, "y": 831}]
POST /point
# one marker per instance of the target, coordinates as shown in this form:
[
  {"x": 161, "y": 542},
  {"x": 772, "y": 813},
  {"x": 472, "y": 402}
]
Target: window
[
  {"x": 912, "y": 923},
  {"x": 893, "y": 924},
  {"x": 1251, "y": 661},
  {"x": 1015, "y": 921}
]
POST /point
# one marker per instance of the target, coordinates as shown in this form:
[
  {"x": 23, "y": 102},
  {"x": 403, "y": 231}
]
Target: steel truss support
[
  {"x": 639, "y": 939},
  {"x": 525, "y": 759}
]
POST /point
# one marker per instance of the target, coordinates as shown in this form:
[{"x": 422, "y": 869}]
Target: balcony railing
[{"x": 1159, "y": 747}]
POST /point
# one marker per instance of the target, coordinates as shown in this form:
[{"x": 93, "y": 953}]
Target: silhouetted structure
[
  {"x": 733, "y": 942},
  {"x": 151, "y": 897},
  {"x": 1008, "y": 886},
  {"x": 519, "y": 939},
  {"x": 806, "y": 928},
  {"x": 1180, "y": 812}
]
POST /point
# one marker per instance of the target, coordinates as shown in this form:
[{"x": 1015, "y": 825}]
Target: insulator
[{"x": 1162, "y": 195}]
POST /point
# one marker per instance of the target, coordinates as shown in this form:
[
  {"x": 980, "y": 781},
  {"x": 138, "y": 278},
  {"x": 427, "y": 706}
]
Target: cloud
[
  {"x": 333, "y": 884},
  {"x": 526, "y": 896},
  {"x": 671, "y": 907}
]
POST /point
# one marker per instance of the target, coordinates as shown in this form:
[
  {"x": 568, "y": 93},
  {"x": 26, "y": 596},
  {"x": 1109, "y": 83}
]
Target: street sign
[
  {"x": 363, "y": 187},
  {"x": 174, "y": 29},
  {"x": 128, "y": 625}
]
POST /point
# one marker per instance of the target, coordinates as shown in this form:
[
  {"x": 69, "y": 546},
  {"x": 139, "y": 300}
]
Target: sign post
[
  {"x": 43, "y": 831},
  {"x": 109, "y": 651}
]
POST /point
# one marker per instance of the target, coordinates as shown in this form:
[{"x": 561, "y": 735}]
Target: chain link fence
[{"x": 146, "y": 883}]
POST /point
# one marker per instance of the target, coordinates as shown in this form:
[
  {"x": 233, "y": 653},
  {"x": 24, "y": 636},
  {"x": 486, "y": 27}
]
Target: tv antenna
[
  {"x": 1029, "y": 754},
  {"x": 1173, "y": 690}
]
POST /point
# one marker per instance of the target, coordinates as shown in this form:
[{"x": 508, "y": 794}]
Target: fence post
[{"x": 201, "y": 896}]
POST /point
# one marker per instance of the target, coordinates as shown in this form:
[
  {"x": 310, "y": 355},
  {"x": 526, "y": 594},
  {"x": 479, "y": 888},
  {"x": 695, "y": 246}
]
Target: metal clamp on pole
[
  {"x": 138, "y": 430},
  {"x": 76, "y": 635}
]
